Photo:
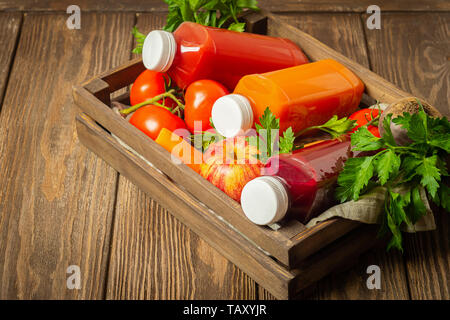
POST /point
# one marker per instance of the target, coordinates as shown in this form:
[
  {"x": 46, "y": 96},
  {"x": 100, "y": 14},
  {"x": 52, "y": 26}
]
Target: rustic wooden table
[{"x": 60, "y": 205}]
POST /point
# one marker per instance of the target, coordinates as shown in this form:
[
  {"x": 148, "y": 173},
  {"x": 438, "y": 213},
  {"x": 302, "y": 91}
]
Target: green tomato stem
[{"x": 154, "y": 101}]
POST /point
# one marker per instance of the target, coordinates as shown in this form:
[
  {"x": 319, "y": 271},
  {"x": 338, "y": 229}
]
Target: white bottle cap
[
  {"x": 159, "y": 50},
  {"x": 232, "y": 114},
  {"x": 265, "y": 200}
]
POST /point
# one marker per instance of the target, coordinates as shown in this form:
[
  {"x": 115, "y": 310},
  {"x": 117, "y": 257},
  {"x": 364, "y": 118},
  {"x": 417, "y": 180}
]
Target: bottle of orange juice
[{"x": 300, "y": 96}]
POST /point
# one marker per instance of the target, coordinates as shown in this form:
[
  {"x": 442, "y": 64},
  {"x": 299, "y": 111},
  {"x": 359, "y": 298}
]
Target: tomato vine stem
[{"x": 154, "y": 101}]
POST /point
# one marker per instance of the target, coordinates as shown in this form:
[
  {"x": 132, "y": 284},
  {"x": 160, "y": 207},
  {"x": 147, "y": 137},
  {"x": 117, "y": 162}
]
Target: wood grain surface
[
  {"x": 61, "y": 205},
  {"x": 57, "y": 199},
  {"x": 272, "y": 5},
  {"x": 412, "y": 50},
  {"x": 9, "y": 30}
]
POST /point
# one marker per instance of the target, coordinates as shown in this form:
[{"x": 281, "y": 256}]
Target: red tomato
[
  {"x": 361, "y": 117},
  {"x": 147, "y": 85},
  {"x": 199, "y": 99},
  {"x": 151, "y": 119}
]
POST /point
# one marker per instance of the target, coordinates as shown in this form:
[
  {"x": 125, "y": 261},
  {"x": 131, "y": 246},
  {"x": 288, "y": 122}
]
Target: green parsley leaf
[
  {"x": 140, "y": 38},
  {"x": 267, "y": 131},
  {"x": 287, "y": 141},
  {"x": 364, "y": 140},
  {"x": 387, "y": 164},
  {"x": 430, "y": 174},
  {"x": 387, "y": 135},
  {"x": 239, "y": 27},
  {"x": 335, "y": 127},
  {"x": 417, "y": 128},
  {"x": 442, "y": 197},
  {"x": 355, "y": 176}
]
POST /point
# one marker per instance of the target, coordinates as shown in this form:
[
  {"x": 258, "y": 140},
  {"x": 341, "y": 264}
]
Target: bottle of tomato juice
[{"x": 194, "y": 52}]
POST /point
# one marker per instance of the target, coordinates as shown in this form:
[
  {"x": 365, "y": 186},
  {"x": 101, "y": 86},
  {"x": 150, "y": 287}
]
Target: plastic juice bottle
[
  {"x": 194, "y": 52},
  {"x": 298, "y": 185},
  {"x": 300, "y": 96}
]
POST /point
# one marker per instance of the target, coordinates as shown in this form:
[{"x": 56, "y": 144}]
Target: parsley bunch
[
  {"x": 421, "y": 164},
  {"x": 214, "y": 13}
]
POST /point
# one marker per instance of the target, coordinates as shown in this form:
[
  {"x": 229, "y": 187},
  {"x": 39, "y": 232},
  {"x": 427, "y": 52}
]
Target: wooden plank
[
  {"x": 273, "y": 5},
  {"x": 412, "y": 50},
  {"x": 189, "y": 211},
  {"x": 57, "y": 200},
  {"x": 344, "y": 33},
  {"x": 154, "y": 256},
  {"x": 9, "y": 31}
]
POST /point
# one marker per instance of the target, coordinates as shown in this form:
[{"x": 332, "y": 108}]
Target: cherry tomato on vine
[
  {"x": 151, "y": 119},
  {"x": 147, "y": 85},
  {"x": 362, "y": 117},
  {"x": 199, "y": 99}
]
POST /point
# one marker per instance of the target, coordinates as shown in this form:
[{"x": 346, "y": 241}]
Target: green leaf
[
  {"x": 409, "y": 166},
  {"x": 396, "y": 239},
  {"x": 268, "y": 121},
  {"x": 335, "y": 127},
  {"x": 416, "y": 208},
  {"x": 430, "y": 174},
  {"x": 140, "y": 38},
  {"x": 403, "y": 120},
  {"x": 442, "y": 197},
  {"x": 239, "y": 27},
  {"x": 417, "y": 130},
  {"x": 441, "y": 141},
  {"x": 387, "y": 135},
  {"x": 355, "y": 176},
  {"x": 250, "y": 4},
  {"x": 387, "y": 165},
  {"x": 396, "y": 215},
  {"x": 364, "y": 140},
  {"x": 287, "y": 141},
  {"x": 268, "y": 132}
]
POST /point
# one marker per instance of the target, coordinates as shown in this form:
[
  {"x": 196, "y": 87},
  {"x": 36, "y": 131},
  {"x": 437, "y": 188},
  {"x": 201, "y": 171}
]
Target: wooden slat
[
  {"x": 412, "y": 50},
  {"x": 154, "y": 256},
  {"x": 9, "y": 30},
  {"x": 344, "y": 33},
  {"x": 273, "y": 5},
  {"x": 56, "y": 199}
]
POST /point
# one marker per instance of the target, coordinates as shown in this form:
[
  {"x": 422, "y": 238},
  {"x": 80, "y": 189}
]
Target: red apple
[{"x": 229, "y": 164}]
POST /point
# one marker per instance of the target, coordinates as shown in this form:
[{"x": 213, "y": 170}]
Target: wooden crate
[{"x": 284, "y": 261}]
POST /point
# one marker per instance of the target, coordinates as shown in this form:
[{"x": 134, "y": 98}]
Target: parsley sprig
[
  {"x": 419, "y": 165},
  {"x": 267, "y": 137},
  {"x": 214, "y": 13}
]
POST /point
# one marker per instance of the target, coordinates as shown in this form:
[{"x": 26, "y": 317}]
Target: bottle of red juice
[
  {"x": 299, "y": 185},
  {"x": 194, "y": 52}
]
